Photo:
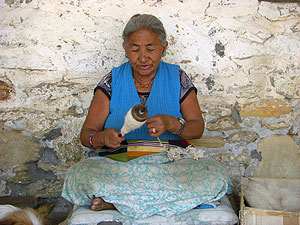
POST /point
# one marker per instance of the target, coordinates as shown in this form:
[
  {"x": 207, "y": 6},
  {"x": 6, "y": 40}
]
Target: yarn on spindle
[{"x": 135, "y": 118}]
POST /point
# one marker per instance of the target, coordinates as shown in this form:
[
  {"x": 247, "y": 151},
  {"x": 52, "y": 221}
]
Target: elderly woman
[
  {"x": 174, "y": 115},
  {"x": 164, "y": 88}
]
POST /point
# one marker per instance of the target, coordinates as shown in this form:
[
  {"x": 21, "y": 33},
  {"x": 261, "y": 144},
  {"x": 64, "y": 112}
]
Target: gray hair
[{"x": 140, "y": 21}]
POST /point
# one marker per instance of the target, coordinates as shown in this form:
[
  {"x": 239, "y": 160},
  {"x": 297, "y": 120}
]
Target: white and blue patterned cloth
[{"x": 148, "y": 185}]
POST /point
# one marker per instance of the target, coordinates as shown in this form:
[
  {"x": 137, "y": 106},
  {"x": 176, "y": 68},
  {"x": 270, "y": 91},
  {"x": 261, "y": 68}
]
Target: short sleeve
[
  {"x": 186, "y": 85},
  {"x": 105, "y": 85}
]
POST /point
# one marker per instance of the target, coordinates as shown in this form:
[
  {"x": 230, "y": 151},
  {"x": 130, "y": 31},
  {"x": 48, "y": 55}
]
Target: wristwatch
[{"x": 182, "y": 121}]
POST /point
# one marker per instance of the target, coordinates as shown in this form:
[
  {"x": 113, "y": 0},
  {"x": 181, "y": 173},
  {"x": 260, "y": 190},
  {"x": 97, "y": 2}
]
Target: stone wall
[{"x": 242, "y": 55}]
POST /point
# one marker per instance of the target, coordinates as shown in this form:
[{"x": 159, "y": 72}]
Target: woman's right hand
[
  {"x": 95, "y": 121},
  {"x": 111, "y": 137}
]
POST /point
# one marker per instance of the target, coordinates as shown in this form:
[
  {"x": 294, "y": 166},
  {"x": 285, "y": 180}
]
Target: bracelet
[
  {"x": 90, "y": 139},
  {"x": 182, "y": 121}
]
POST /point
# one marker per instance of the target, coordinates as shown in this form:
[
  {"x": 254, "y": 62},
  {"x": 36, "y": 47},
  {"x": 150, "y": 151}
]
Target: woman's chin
[{"x": 145, "y": 73}]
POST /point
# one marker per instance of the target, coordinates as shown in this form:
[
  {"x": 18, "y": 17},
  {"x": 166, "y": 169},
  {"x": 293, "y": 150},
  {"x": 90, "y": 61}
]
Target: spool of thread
[{"x": 135, "y": 118}]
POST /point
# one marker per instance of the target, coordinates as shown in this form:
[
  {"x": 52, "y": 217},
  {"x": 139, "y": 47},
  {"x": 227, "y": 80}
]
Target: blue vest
[{"x": 163, "y": 99}]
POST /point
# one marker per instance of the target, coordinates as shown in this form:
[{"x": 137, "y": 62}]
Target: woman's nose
[{"x": 143, "y": 56}]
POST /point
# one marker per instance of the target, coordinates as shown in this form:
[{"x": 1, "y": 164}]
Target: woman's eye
[
  {"x": 134, "y": 50},
  {"x": 151, "y": 50}
]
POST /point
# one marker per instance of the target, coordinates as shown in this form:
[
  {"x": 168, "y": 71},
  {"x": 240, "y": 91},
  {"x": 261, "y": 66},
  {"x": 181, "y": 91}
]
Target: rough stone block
[
  {"x": 208, "y": 142},
  {"x": 280, "y": 157},
  {"x": 266, "y": 108},
  {"x": 16, "y": 149},
  {"x": 223, "y": 124}
]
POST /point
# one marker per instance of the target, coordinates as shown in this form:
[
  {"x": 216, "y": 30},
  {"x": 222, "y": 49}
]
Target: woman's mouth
[{"x": 144, "y": 67}]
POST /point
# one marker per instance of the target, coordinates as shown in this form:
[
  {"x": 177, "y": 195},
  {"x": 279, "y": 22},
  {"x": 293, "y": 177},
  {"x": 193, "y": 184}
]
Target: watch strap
[{"x": 182, "y": 121}]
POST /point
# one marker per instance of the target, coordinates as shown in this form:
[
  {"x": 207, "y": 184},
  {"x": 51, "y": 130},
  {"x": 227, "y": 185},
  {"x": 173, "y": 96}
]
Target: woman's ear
[
  {"x": 165, "y": 46},
  {"x": 165, "y": 49}
]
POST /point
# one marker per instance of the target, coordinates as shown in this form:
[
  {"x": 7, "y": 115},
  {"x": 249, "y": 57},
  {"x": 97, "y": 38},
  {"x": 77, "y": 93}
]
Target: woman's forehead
[{"x": 143, "y": 37}]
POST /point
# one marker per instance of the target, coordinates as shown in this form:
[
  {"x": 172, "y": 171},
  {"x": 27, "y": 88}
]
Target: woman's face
[{"x": 144, "y": 51}]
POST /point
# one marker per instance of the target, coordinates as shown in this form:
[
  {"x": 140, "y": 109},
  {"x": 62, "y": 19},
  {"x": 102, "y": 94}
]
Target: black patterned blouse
[{"x": 186, "y": 86}]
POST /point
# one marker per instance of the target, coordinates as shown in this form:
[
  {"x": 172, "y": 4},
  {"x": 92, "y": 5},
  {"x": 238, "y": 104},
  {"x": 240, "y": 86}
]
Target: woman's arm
[
  {"x": 95, "y": 120},
  {"x": 191, "y": 113}
]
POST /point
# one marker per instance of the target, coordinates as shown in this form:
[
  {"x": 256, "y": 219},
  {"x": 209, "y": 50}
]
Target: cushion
[{"x": 221, "y": 215}]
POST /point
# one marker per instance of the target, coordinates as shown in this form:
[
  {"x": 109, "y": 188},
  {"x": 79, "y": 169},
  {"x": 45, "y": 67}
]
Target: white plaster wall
[{"x": 80, "y": 41}]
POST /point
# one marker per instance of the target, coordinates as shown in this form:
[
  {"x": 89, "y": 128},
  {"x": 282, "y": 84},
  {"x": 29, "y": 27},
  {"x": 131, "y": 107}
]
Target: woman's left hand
[{"x": 158, "y": 124}]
